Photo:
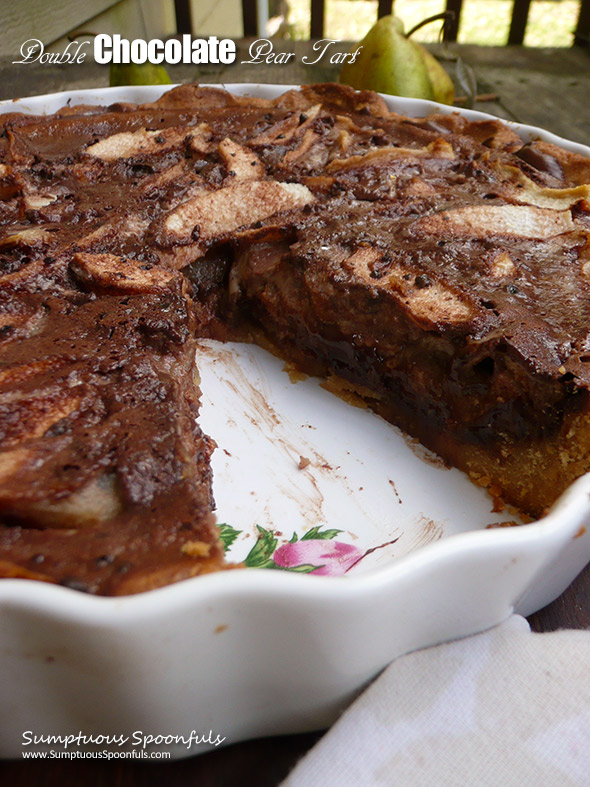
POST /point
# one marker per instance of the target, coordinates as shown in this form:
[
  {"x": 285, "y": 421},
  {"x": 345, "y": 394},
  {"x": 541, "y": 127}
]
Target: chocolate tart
[{"x": 438, "y": 266}]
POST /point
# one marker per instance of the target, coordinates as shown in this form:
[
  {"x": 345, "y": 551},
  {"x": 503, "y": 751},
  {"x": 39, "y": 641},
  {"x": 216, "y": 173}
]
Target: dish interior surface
[{"x": 292, "y": 457}]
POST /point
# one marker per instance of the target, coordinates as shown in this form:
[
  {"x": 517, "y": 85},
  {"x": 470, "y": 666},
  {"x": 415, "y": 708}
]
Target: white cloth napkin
[{"x": 505, "y": 707}]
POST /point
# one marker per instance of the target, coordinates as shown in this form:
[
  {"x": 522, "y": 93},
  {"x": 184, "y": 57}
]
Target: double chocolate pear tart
[{"x": 439, "y": 267}]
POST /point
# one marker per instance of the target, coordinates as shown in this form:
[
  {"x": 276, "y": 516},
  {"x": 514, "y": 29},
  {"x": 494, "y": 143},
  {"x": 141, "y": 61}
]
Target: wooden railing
[{"x": 518, "y": 23}]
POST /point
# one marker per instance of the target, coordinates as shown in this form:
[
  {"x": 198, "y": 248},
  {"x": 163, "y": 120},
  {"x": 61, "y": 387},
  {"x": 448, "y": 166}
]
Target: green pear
[
  {"x": 389, "y": 63},
  {"x": 132, "y": 74},
  {"x": 443, "y": 89}
]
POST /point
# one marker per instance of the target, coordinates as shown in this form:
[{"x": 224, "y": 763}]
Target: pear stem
[{"x": 447, "y": 16}]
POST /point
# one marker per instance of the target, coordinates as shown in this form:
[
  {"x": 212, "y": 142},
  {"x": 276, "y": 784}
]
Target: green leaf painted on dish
[
  {"x": 304, "y": 568},
  {"x": 315, "y": 533},
  {"x": 260, "y": 556},
  {"x": 227, "y": 535}
]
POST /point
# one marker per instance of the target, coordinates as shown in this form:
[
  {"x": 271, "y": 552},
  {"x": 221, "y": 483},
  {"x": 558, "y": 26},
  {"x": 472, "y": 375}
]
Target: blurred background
[{"x": 536, "y": 23}]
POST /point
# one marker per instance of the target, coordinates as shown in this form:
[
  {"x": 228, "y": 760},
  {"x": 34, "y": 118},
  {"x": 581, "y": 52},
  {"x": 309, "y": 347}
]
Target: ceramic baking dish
[{"x": 395, "y": 548}]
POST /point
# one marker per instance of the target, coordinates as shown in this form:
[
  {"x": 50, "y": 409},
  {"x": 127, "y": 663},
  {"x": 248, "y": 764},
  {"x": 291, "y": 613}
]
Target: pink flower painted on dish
[
  {"x": 332, "y": 558},
  {"x": 315, "y": 552}
]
